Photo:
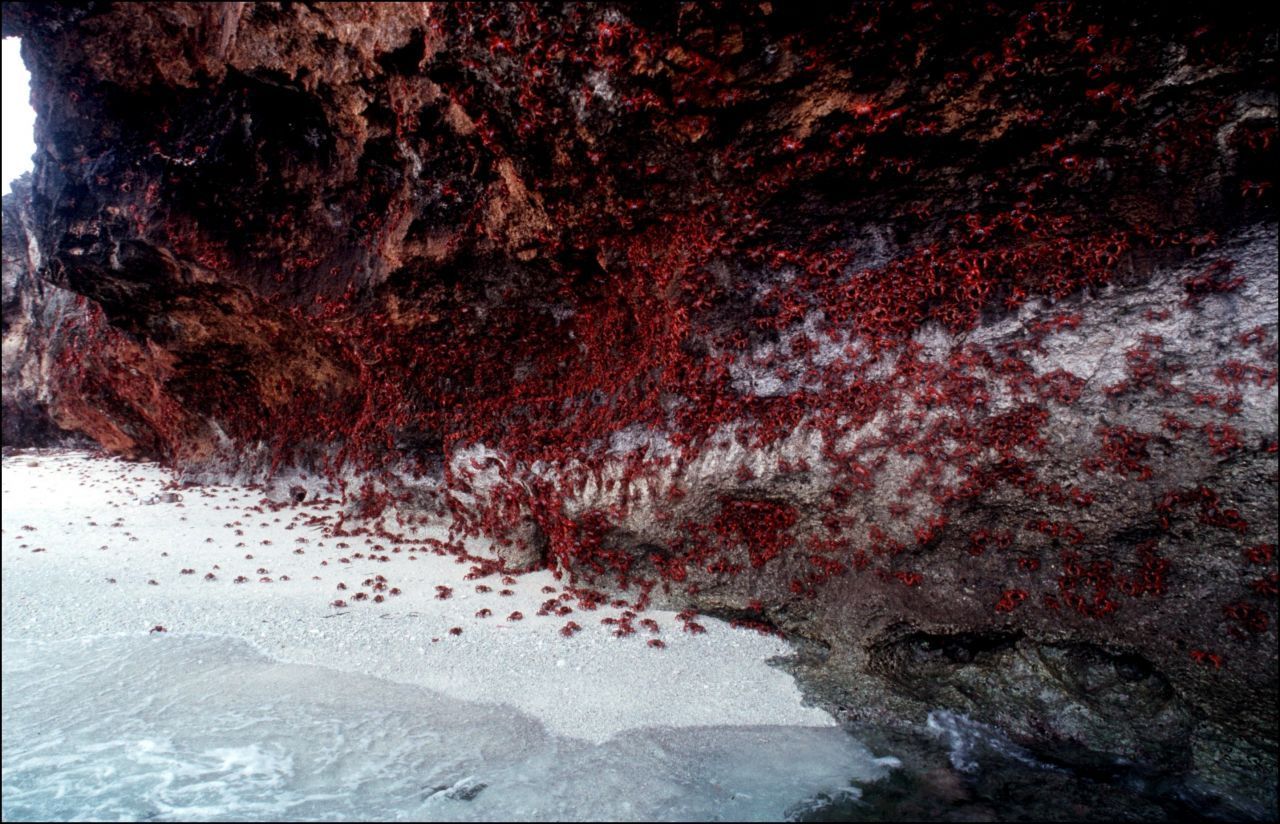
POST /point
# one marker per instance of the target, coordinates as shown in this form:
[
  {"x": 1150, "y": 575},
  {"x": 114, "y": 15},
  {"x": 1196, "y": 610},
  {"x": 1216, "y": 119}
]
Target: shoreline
[{"x": 84, "y": 571}]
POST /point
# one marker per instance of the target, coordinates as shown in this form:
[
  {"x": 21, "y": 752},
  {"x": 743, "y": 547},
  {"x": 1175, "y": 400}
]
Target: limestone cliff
[{"x": 943, "y": 338}]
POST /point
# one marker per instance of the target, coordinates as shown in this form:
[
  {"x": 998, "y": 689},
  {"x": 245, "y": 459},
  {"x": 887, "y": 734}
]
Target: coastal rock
[{"x": 941, "y": 340}]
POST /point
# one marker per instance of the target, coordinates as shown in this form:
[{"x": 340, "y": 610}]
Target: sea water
[{"x": 182, "y": 727}]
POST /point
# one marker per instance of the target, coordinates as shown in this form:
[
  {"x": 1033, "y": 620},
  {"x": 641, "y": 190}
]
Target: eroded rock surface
[
  {"x": 941, "y": 339},
  {"x": 26, "y": 359}
]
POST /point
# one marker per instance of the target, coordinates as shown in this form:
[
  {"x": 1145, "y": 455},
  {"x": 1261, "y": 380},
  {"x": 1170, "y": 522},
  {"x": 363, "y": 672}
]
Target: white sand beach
[{"x": 85, "y": 555}]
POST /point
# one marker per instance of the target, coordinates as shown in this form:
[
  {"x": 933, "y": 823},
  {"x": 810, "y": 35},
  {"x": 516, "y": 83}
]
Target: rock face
[
  {"x": 27, "y": 325},
  {"x": 944, "y": 340},
  {"x": 61, "y": 357}
]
